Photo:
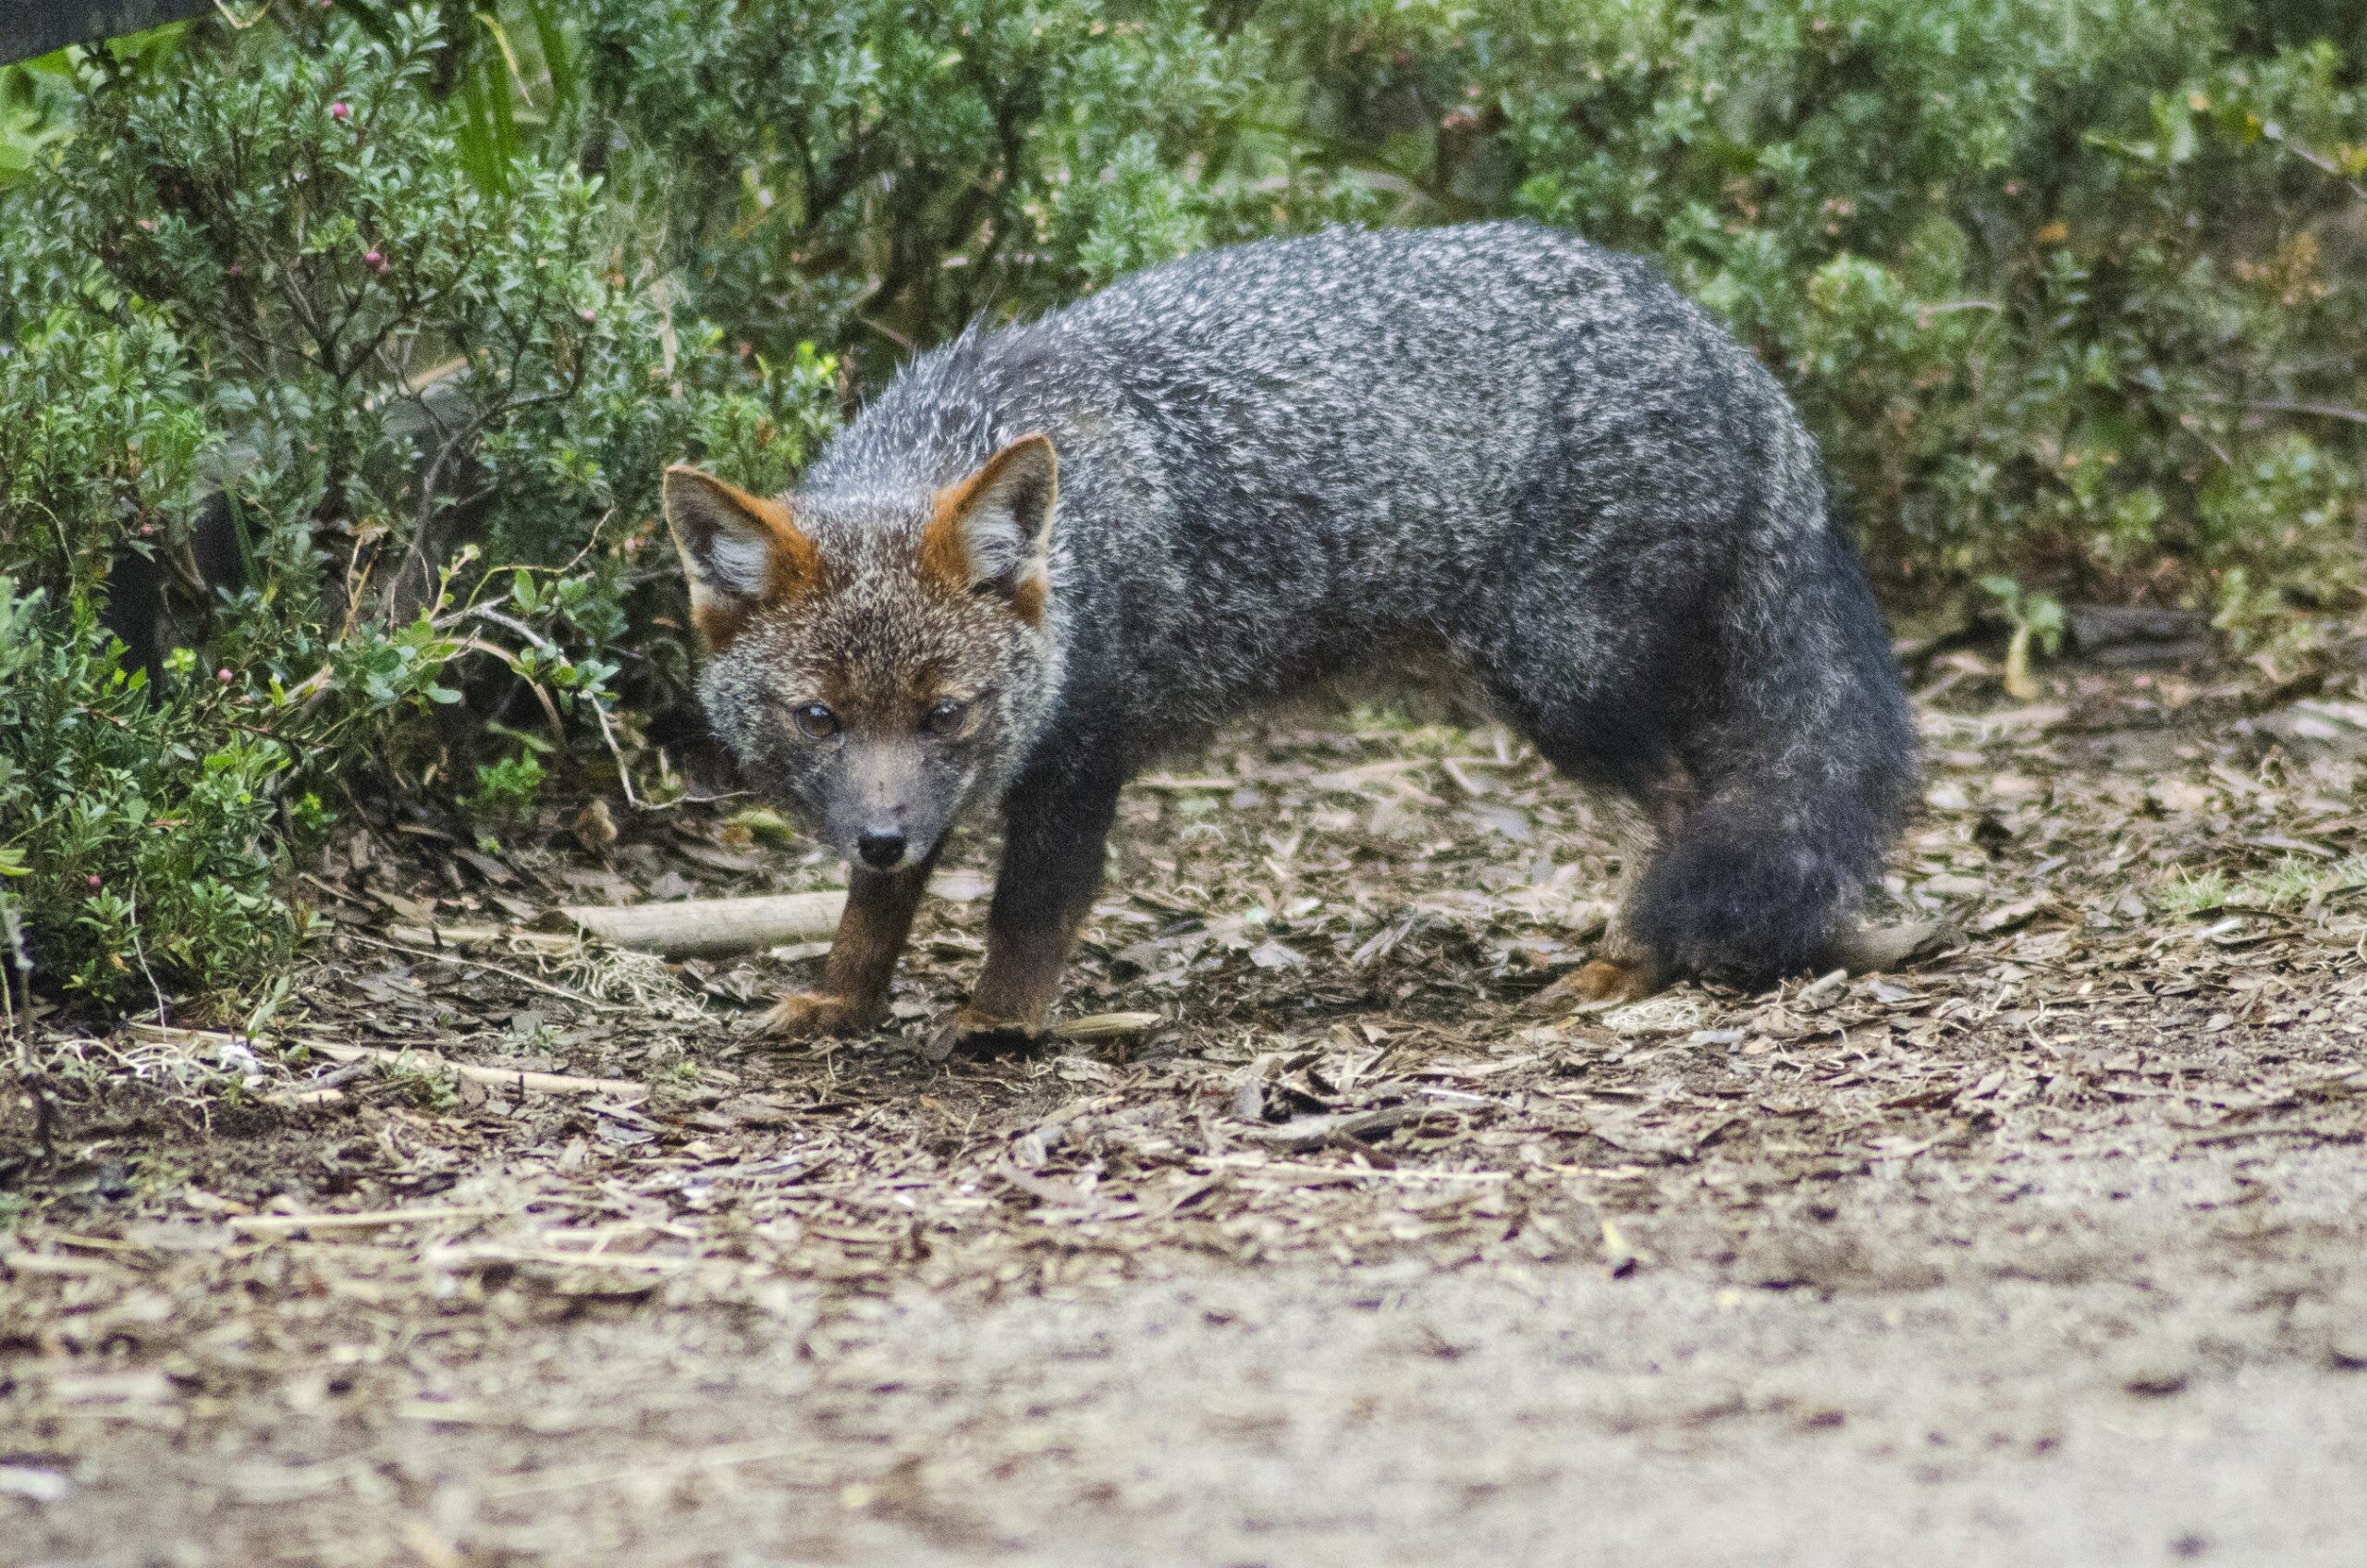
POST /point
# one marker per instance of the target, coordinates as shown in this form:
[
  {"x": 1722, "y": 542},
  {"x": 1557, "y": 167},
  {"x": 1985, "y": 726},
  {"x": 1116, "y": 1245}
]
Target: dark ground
[{"x": 2044, "y": 1249}]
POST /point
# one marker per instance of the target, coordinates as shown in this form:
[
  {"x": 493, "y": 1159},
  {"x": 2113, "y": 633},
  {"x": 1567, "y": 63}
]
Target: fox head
[{"x": 874, "y": 663}]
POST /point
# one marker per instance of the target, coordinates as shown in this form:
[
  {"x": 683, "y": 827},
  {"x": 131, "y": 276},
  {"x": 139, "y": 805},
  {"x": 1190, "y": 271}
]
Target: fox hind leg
[
  {"x": 1653, "y": 791},
  {"x": 1625, "y": 968}
]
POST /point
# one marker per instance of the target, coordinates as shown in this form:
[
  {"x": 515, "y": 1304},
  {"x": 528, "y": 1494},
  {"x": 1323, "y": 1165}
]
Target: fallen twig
[
  {"x": 1107, "y": 1025},
  {"x": 576, "y": 997},
  {"x": 711, "y": 927},
  {"x": 505, "y": 1077},
  {"x": 17, "y": 1006},
  {"x": 1252, "y": 1165},
  {"x": 517, "y": 1078},
  {"x": 305, "y": 1097},
  {"x": 1314, "y": 1131},
  {"x": 719, "y": 928},
  {"x": 283, "y": 1224}
]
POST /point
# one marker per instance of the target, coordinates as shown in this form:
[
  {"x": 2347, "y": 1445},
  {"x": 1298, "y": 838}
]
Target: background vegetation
[{"x": 339, "y": 352}]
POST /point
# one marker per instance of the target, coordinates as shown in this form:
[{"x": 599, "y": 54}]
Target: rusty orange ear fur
[
  {"x": 739, "y": 552},
  {"x": 988, "y": 529}
]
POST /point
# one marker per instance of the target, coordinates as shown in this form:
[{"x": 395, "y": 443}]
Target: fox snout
[
  {"x": 886, "y": 808},
  {"x": 881, "y": 848}
]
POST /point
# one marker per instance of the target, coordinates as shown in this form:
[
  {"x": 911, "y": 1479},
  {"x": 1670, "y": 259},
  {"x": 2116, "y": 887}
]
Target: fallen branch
[
  {"x": 1874, "y": 948},
  {"x": 1314, "y": 1131},
  {"x": 305, "y": 1097},
  {"x": 720, "y": 927},
  {"x": 506, "y": 1077},
  {"x": 462, "y": 1257},
  {"x": 1107, "y": 1025},
  {"x": 515, "y": 1078},
  {"x": 711, "y": 927},
  {"x": 17, "y": 1010},
  {"x": 283, "y": 1224}
]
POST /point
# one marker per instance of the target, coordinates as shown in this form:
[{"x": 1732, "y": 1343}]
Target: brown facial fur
[
  {"x": 944, "y": 559},
  {"x": 944, "y": 553}
]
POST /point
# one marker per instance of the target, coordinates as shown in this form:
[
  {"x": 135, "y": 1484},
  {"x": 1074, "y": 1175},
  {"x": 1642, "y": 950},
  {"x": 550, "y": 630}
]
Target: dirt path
[{"x": 2051, "y": 1249}]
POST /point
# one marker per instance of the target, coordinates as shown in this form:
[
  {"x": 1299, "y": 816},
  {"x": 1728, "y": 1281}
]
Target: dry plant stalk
[
  {"x": 503, "y": 1077},
  {"x": 16, "y": 1005}
]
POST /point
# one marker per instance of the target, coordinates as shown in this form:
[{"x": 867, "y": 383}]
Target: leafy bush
[
  {"x": 270, "y": 294},
  {"x": 369, "y": 328},
  {"x": 2052, "y": 278},
  {"x": 146, "y": 838}
]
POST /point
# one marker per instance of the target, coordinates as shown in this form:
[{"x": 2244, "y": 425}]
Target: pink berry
[
  {"x": 376, "y": 261},
  {"x": 95, "y": 879},
  {"x": 341, "y": 111},
  {"x": 224, "y": 675},
  {"x": 590, "y": 315}
]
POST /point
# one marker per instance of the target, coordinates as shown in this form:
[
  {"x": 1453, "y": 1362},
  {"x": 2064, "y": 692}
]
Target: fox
[{"x": 1049, "y": 553}]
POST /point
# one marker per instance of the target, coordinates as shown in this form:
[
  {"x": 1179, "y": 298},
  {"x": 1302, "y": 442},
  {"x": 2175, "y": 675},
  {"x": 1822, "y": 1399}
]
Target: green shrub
[
  {"x": 2049, "y": 277},
  {"x": 274, "y": 290},
  {"x": 146, "y": 832},
  {"x": 414, "y": 304},
  {"x": 508, "y": 790}
]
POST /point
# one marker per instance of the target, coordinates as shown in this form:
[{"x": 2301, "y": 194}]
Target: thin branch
[
  {"x": 2285, "y": 406},
  {"x": 19, "y": 1003}
]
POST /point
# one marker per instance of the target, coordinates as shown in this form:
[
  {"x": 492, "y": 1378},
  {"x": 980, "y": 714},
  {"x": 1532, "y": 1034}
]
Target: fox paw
[
  {"x": 803, "y": 1015},
  {"x": 972, "y": 1033},
  {"x": 1601, "y": 980},
  {"x": 1608, "y": 980}
]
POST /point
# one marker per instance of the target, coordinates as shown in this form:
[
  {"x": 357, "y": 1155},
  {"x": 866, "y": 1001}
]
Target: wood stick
[
  {"x": 305, "y": 1097},
  {"x": 560, "y": 1257},
  {"x": 711, "y": 927},
  {"x": 1106, "y": 1025},
  {"x": 279, "y": 1224},
  {"x": 503, "y": 1077},
  {"x": 1871, "y": 949},
  {"x": 508, "y": 1077},
  {"x": 719, "y": 928}
]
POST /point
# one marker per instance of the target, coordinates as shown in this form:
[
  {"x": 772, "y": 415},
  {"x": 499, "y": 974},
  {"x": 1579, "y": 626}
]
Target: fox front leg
[
  {"x": 853, "y": 996},
  {"x": 1055, "y": 831}
]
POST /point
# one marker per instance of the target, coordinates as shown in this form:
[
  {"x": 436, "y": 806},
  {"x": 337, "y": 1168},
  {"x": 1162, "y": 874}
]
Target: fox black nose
[{"x": 879, "y": 849}]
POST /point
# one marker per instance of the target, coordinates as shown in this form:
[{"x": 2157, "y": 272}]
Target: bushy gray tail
[{"x": 1806, "y": 771}]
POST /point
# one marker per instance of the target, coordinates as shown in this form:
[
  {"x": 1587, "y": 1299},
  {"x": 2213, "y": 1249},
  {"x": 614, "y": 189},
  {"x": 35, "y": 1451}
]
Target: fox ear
[
  {"x": 737, "y": 550},
  {"x": 991, "y": 530}
]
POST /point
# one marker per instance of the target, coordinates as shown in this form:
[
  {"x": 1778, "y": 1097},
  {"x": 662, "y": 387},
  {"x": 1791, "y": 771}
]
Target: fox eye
[
  {"x": 816, "y": 722},
  {"x": 946, "y": 719}
]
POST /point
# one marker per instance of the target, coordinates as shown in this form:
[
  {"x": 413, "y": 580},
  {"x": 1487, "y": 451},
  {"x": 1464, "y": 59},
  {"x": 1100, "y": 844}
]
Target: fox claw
[
  {"x": 978, "y": 1034},
  {"x": 806, "y": 1014}
]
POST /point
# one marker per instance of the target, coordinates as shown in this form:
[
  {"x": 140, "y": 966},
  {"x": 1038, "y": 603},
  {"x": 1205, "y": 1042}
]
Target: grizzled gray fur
[{"x": 1302, "y": 458}]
